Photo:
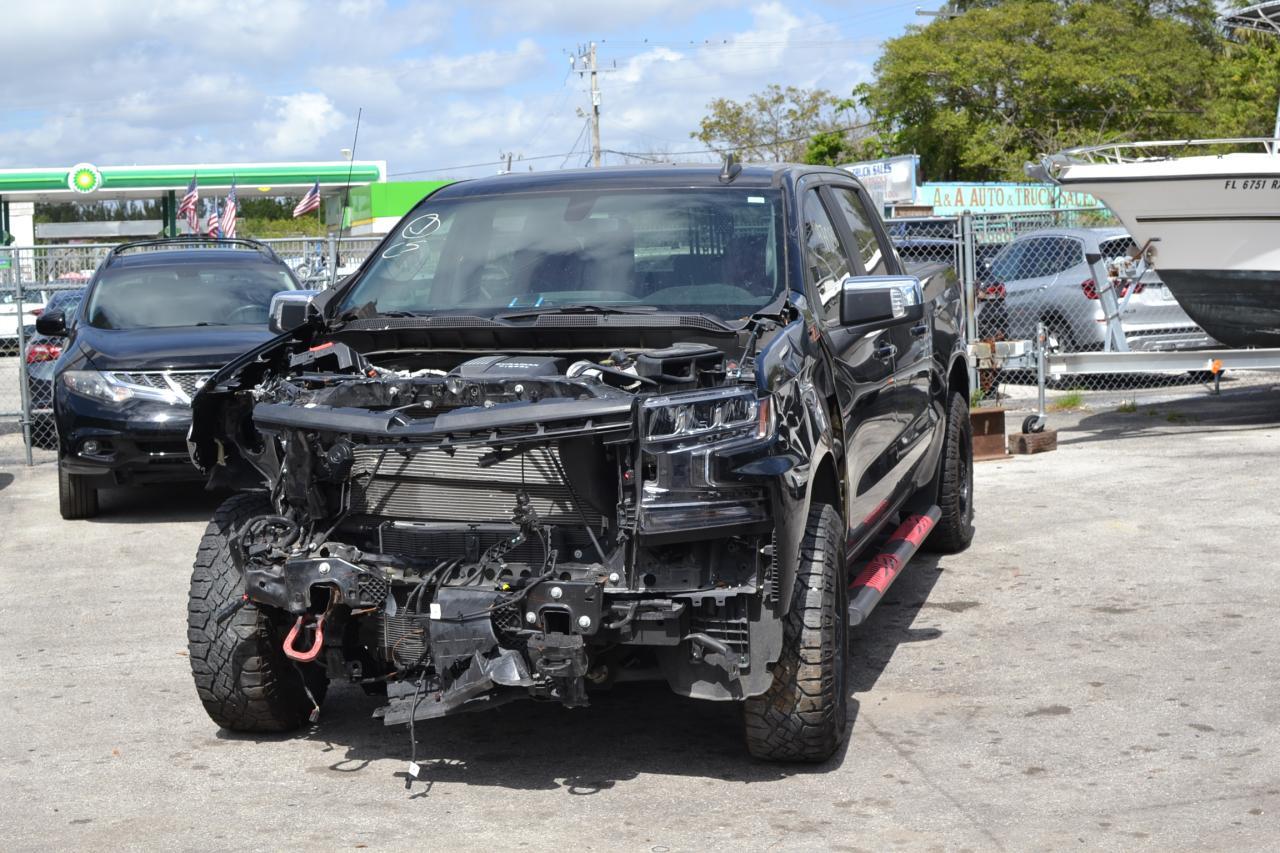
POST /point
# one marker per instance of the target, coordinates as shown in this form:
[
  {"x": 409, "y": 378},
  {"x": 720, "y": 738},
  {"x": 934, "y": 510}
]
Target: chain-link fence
[
  {"x": 1074, "y": 273},
  {"x": 1079, "y": 276},
  {"x": 314, "y": 260},
  {"x": 31, "y": 280},
  {"x": 53, "y": 277}
]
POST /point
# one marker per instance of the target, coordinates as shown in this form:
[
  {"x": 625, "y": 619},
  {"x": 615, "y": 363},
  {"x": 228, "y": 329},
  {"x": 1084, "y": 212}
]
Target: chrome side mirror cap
[
  {"x": 289, "y": 309},
  {"x": 881, "y": 300}
]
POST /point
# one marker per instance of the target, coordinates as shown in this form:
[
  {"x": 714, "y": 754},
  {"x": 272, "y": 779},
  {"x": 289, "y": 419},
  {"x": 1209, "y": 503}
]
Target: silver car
[{"x": 1057, "y": 276}]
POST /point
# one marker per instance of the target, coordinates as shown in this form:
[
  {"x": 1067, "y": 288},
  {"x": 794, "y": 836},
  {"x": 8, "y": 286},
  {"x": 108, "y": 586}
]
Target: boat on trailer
[{"x": 1206, "y": 214}]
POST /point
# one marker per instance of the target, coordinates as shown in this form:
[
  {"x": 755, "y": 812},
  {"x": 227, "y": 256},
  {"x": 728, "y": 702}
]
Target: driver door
[{"x": 862, "y": 371}]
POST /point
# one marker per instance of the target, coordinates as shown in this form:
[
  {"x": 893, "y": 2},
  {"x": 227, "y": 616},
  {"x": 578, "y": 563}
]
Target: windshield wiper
[
  {"x": 577, "y": 308},
  {"x": 208, "y": 323}
]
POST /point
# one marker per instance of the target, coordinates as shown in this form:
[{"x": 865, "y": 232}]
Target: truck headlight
[
  {"x": 110, "y": 388},
  {"x": 683, "y": 492},
  {"x": 704, "y": 417}
]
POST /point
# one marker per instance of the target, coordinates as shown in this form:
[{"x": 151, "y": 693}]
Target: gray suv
[{"x": 1056, "y": 275}]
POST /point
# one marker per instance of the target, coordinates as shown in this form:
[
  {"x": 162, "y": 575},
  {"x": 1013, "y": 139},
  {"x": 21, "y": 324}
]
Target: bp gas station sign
[{"x": 84, "y": 178}]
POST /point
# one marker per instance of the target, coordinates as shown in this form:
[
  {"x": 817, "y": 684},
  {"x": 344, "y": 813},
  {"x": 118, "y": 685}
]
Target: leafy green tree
[
  {"x": 776, "y": 124},
  {"x": 979, "y": 94}
]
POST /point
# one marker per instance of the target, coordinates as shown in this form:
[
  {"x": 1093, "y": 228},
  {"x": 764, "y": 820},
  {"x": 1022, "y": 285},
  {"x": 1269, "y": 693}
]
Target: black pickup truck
[{"x": 568, "y": 429}]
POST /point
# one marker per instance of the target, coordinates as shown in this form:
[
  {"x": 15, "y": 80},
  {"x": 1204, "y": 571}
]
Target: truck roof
[{"x": 760, "y": 175}]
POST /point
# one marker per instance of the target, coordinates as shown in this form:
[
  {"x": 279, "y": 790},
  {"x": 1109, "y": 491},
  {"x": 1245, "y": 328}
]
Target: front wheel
[
  {"x": 242, "y": 675},
  {"x": 954, "y": 531},
  {"x": 803, "y": 715},
  {"x": 76, "y": 497}
]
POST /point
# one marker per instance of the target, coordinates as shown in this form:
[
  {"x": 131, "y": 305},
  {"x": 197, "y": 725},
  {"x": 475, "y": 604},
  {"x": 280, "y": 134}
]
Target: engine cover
[{"x": 510, "y": 367}]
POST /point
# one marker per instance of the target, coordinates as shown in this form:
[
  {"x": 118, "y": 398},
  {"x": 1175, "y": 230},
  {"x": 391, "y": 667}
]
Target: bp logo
[{"x": 84, "y": 178}]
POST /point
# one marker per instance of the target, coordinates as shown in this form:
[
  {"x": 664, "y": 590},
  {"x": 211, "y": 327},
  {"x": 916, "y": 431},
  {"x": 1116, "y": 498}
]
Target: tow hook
[{"x": 310, "y": 654}]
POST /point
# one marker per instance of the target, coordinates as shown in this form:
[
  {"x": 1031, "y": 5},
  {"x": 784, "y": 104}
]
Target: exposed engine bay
[{"x": 463, "y": 530}]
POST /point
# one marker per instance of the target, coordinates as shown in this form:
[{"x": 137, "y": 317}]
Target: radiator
[{"x": 431, "y": 485}]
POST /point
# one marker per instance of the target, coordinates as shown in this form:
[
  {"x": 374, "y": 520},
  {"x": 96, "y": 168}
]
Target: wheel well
[
  {"x": 826, "y": 486},
  {"x": 958, "y": 379}
]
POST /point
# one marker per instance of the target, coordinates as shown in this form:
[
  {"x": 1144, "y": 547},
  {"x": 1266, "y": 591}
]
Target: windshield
[
  {"x": 213, "y": 293},
  {"x": 707, "y": 251}
]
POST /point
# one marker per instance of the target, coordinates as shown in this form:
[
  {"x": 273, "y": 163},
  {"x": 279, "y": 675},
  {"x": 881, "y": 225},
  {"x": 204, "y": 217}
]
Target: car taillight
[
  {"x": 36, "y": 312},
  {"x": 992, "y": 291},
  {"x": 1090, "y": 288},
  {"x": 37, "y": 353}
]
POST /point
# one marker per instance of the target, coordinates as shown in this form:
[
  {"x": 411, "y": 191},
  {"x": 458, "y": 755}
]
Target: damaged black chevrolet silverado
[{"x": 566, "y": 430}]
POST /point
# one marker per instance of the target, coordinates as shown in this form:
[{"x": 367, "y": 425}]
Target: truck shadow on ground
[
  {"x": 1249, "y": 410},
  {"x": 157, "y": 504},
  {"x": 632, "y": 730}
]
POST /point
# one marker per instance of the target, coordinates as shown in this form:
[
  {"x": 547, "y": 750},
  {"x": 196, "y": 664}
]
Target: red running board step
[{"x": 871, "y": 583}]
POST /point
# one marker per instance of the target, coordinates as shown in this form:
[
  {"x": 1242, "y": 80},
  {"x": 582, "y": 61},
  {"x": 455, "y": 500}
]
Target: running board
[{"x": 869, "y": 587}]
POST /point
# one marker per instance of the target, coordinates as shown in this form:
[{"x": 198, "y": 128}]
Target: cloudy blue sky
[{"x": 442, "y": 85}]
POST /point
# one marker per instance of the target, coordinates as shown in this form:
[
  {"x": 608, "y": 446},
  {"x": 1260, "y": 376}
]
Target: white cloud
[
  {"x": 589, "y": 15},
  {"x": 299, "y": 125},
  {"x": 233, "y": 80}
]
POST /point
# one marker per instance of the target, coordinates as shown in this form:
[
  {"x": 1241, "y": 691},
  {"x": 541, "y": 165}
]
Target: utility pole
[
  {"x": 587, "y": 57},
  {"x": 595, "y": 108}
]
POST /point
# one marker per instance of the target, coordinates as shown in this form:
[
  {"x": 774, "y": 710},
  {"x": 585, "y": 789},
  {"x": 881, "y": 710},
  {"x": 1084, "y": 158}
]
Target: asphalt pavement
[{"x": 1095, "y": 672}]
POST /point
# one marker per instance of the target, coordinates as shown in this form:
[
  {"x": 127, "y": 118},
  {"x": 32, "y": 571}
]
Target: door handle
[
  {"x": 920, "y": 331},
  {"x": 885, "y": 351}
]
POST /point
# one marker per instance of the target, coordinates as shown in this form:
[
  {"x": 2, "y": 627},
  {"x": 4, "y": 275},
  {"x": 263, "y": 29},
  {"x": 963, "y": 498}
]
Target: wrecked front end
[{"x": 465, "y": 530}]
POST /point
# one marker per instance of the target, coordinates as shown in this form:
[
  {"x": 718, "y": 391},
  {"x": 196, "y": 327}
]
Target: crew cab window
[
  {"x": 824, "y": 258},
  {"x": 873, "y": 256}
]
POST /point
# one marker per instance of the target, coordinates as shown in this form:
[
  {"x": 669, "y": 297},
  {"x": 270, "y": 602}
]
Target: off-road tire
[
  {"x": 242, "y": 675},
  {"x": 954, "y": 531},
  {"x": 803, "y": 715},
  {"x": 76, "y": 498}
]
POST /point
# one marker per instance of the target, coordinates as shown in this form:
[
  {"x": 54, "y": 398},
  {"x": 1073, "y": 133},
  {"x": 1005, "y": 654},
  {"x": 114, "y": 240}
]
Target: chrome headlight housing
[
  {"x": 110, "y": 388},
  {"x": 682, "y": 488},
  {"x": 706, "y": 417}
]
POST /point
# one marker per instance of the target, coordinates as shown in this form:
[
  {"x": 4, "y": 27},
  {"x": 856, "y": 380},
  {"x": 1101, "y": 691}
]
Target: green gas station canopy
[{"x": 86, "y": 182}]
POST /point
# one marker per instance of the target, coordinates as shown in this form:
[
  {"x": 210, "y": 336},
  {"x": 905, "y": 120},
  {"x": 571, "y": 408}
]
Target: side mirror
[
  {"x": 289, "y": 309},
  {"x": 882, "y": 300},
  {"x": 52, "y": 324}
]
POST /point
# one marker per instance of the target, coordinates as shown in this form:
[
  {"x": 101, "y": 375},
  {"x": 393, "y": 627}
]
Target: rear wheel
[
  {"x": 241, "y": 673},
  {"x": 954, "y": 531},
  {"x": 803, "y": 715},
  {"x": 76, "y": 498}
]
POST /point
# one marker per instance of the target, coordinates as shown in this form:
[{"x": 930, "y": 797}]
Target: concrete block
[{"x": 1035, "y": 442}]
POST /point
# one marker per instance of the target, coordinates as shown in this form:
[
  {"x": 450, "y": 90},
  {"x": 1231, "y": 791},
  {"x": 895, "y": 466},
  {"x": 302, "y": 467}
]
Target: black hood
[{"x": 179, "y": 348}]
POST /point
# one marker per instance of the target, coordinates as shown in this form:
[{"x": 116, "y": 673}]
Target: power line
[
  {"x": 574, "y": 147},
  {"x": 474, "y": 165},
  {"x": 564, "y": 156}
]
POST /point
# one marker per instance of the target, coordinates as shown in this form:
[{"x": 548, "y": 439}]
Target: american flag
[
  {"x": 310, "y": 201},
  {"x": 227, "y": 225},
  {"x": 213, "y": 221},
  {"x": 188, "y": 207}
]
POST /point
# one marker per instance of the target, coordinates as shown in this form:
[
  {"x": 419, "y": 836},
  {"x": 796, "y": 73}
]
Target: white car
[
  {"x": 32, "y": 304},
  {"x": 1054, "y": 276}
]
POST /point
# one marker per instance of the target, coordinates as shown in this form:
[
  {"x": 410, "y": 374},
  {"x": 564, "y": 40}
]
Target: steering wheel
[{"x": 245, "y": 309}]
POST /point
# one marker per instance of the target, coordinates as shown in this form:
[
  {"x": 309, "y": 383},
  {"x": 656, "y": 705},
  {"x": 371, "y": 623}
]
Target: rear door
[{"x": 862, "y": 370}]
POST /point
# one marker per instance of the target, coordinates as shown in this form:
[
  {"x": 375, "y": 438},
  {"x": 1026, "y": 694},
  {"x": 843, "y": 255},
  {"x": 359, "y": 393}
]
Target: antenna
[
  {"x": 346, "y": 192},
  {"x": 730, "y": 169}
]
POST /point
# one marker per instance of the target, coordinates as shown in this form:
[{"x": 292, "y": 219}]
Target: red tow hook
[{"x": 310, "y": 654}]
